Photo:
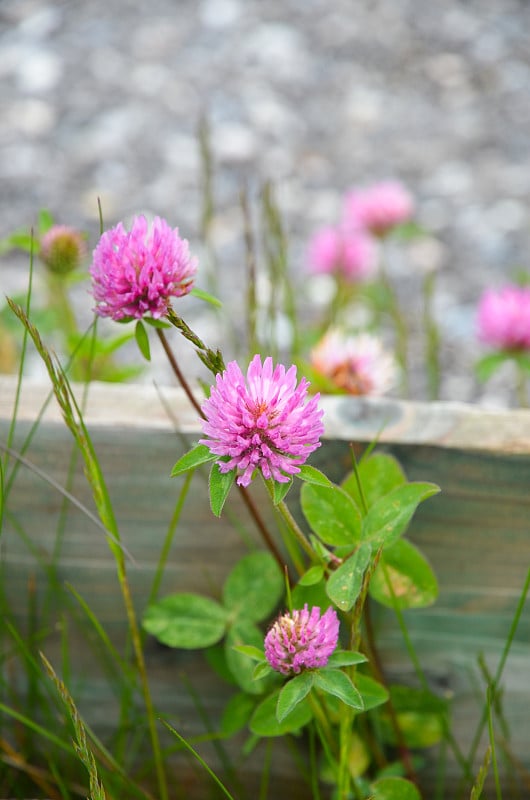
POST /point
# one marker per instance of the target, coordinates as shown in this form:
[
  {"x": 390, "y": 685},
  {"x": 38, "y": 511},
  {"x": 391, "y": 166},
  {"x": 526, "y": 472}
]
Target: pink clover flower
[
  {"x": 301, "y": 640},
  {"x": 138, "y": 272},
  {"x": 263, "y": 422}
]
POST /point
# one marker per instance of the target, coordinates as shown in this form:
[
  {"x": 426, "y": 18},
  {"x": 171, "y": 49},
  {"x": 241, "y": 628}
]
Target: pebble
[{"x": 105, "y": 100}]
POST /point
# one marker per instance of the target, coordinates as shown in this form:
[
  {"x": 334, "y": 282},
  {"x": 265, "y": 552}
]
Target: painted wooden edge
[{"x": 360, "y": 419}]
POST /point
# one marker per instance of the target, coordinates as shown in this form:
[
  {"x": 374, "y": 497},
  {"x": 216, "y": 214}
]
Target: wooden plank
[{"x": 475, "y": 533}]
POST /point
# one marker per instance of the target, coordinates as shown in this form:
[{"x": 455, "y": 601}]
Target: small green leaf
[
  {"x": 262, "y": 670},
  {"x": 45, "y": 220},
  {"x": 208, "y": 298},
  {"x": 237, "y": 713},
  {"x": 344, "y": 584},
  {"x": 220, "y": 484},
  {"x": 312, "y": 576},
  {"x": 388, "y": 517},
  {"x": 279, "y": 490},
  {"x": 250, "y": 651},
  {"x": 331, "y": 513},
  {"x": 142, "y": 340},
  {"x": 486, "y": 366},
  {"x": 293, "y": 693},
  {"x": 420, "y": 714},
  {"x": 313, "y": 595},
  {"x": 188, "y": 621},
  {"x": 404, "y": 578},
  {"x": 522, "y": 359},
  {"x": 192, "y": 459},
  {"x": 254, "y": 587},
  {"x": 265, "y": 723},
  {"x": 310, "y": 474},
  {"x": 156, "y": 323},
  {"x": 373, "y": 693},
  {"x": 337, "y": 683},
  {"x": 394, "y": 789},
  {"x": 242, "y": 667},
  {"x": 378, "y": 474},
  {"x": 345, "y": 658}
]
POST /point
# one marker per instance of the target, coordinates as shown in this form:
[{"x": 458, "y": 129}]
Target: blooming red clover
[
  {"x": 301, "y": 640},
  {"x": 262, "y": 423},
  {"x": 137, "y": 273},
  {"x": 503, "y": 318}
]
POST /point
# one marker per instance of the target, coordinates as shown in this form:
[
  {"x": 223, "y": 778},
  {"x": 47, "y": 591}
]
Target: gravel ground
[{"x": 104, "y": 99}]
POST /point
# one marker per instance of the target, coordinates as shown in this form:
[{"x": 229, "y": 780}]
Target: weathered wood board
[{"x": 476, "y": 534}]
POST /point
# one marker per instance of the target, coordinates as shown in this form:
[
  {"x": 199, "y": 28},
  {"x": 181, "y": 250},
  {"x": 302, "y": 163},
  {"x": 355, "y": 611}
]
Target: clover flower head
[
  {"x": 358, "y": 365},
  {"x": 378, "y": 208},
  {"x": 347, "y": 252},
  {"x": 301, "y": 640},
  {"x": 262, "y": 423},
  {"x": 62, "y": 248},
  {"x": 503, "y": 318},
  {"x": 137, "y": 272}
]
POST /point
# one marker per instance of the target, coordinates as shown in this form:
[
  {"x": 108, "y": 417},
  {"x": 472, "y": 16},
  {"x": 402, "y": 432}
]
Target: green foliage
[
  {"x": 344, "y": 584},
  {"x": 388, "y": 517},
  {"x": 373, "y": 693},
  {"x": 254, "y": 587},
  {"x": 394, "y": 789},
  {"x": 193, "y": 459},
  {"x": 378, "y": 475},
  {"x": 403, "y": 577},
  {"x": 331, "y": 513},
  {"x": 189, "y": 621},
  {"x": 264, "y": 721},
  {"x": 293, "y": 692},
  {"x": 251, "y": 592}
]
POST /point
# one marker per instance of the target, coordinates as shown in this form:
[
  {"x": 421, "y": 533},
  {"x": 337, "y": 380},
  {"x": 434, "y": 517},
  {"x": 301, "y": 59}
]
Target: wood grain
[{"x": 475, "y": 533}]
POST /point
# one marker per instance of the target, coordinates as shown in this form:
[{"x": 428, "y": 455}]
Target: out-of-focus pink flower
[
  {"x": 302, "y": 640},
  {"x": 138, "y": 272},
  {"x": 378, "y": 208},
  {"x": 62, "y": 248},
  {"x": 356, "y": 364},
  {"x": 503, "y": 318},
  {"x": 262, "y": 423},
  {"x": 350, "y": 253}
]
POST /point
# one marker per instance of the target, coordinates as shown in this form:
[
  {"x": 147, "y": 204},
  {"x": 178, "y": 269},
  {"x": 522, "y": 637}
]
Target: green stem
[
  {"x": 247, "y": 499},
  {"x": 323, "y": 723},
  {"x": 294, "y": 528},
  {"x": 169, "y": 537},
  {"x": 521, "y": 387},
  {"x": 500, "y": 668},
  {"x": 489, "y": 701}
]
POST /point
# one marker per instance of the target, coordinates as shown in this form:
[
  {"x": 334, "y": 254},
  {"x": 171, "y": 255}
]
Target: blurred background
[{"x": 105, "y": 99}]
